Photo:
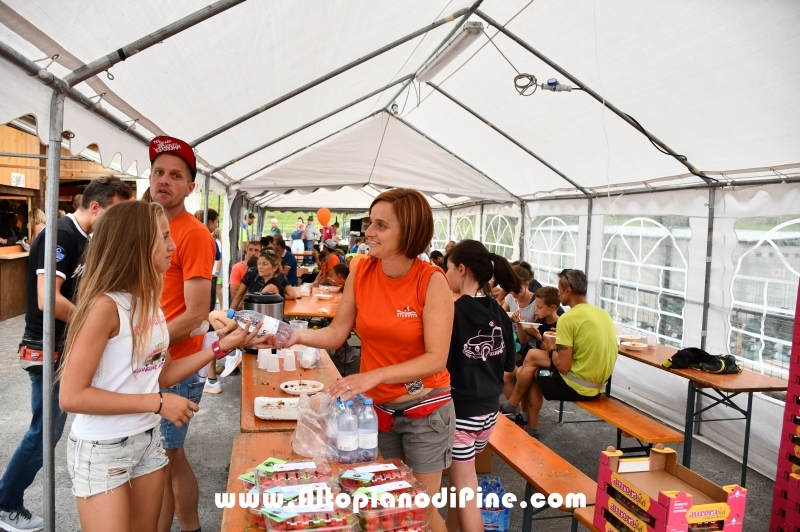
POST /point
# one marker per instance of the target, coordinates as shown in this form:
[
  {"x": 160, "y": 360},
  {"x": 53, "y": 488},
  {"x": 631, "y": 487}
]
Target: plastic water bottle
[
  {"x": 269, "y": 325},
  {"x": 484, "y": 485},
  {"x": 367, "y": 432},
  {"x": 358, "y": 404},
  {"x": 331, "y": 426},
  {"x": 347, "y": 437}
]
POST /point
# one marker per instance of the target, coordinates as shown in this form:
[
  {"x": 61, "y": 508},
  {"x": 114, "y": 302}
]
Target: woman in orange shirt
[{"x": 403, "y": 311}]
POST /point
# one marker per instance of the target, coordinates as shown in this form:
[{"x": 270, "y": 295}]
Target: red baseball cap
[{"x": 164, "y": 144}]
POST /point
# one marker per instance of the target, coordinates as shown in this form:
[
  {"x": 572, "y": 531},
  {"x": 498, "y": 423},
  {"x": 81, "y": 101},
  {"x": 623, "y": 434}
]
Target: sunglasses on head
[{"x": 564, "y": 275}]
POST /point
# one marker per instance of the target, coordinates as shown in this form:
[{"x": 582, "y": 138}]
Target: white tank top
[{"x": 116, "y": 373}]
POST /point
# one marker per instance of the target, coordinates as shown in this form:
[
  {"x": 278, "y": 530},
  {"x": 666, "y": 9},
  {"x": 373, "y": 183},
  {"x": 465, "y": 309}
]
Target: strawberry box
[
  {"x": 391, "y": 506},
  {"x": 276, "y": 472},
  {"x": 354, "y": 476},
  {"x": 657, "y": 494},
  {"x": 320, "y": 518}
]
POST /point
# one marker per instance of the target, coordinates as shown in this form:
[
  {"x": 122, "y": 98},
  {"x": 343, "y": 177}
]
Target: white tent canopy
[{"x": 290, "y": 103}]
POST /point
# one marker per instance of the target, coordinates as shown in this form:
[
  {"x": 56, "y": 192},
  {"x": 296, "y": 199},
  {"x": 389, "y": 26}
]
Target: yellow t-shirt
[{"x": 590, "y": 332}]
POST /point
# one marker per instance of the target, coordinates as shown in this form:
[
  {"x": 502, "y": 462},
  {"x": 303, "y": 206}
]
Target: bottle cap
[
  {"x": 348, "y": 403},
  {"x": 368, "y": 400},
  {"x": 231, "y": 313}
]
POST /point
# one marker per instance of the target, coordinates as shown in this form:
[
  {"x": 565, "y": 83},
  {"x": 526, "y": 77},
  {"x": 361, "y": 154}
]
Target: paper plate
[
  {"x": 324, "y": 296},
  {"x": 529, "y": 325},
  {"x": 276, "y": 408},
  {"x": 633, "y": 346},
  {"x": 298, "y": 387}
]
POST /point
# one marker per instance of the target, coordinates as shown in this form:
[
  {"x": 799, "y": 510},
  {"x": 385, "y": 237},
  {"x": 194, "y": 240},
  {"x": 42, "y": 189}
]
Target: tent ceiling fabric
[{"x": 715, "y": 80}]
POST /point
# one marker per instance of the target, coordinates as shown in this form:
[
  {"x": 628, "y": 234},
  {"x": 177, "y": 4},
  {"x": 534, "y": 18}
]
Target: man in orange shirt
[
  {"x": 240, "y": 268},
  {"x": 185, "y": 298},
  {"x": 328, "y": 258}
]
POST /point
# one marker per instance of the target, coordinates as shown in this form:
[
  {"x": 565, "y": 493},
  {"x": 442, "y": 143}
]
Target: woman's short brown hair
[{"x": 415, "y": 216}]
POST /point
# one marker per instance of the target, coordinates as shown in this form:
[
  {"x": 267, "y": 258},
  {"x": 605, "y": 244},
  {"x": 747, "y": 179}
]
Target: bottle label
[
  {"x": 367, "y": 440},
  {"x": 347, "y": 442}
]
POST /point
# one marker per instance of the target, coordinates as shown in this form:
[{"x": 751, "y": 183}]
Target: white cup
[
  {"x": 273, "y": 363},
  {"x": 263, "y": 355},
  {"x": 298, "y": 325},
  {"x": 651, "y": 342},
  {"x": 289, "y": 363}
]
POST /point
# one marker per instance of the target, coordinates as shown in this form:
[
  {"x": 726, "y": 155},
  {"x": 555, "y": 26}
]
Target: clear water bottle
[
  {"x": 347, "y": 437},
  {"x": 331, "y": 426},
  {"x": 484, "y": 484},
  {"x": 358, "y": 403},
  {"x": 367, "y": 432},
  {"x": 269, "y": 325}
]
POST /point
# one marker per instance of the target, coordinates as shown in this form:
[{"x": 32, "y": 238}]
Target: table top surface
[
  {"x": 309, "y": 306},
  {"x": 17, "y": 255},
  {"x": 746, "y": 381},
  {"x": 261, "y": 383},
  {"x": 249, "y": 450}
]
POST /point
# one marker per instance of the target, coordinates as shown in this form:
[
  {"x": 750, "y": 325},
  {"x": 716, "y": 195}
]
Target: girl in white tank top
[{"x": 116, "y": 359}]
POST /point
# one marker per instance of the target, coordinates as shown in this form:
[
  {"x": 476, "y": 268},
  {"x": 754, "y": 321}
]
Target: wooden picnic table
[
  {"x": 261, "y": 383},
  {"x": 309, "y": 306},
  {"x": 724, "y": 386}
]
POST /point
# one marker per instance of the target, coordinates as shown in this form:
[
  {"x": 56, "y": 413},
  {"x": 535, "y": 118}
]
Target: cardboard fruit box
[{"x": 657, "y": 494}]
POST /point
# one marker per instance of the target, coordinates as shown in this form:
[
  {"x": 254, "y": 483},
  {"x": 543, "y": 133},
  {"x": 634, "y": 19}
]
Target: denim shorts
[
  {"x": 424, "y": 443},
  {"x": 99, "y": 466},
  {"x": 191, "y": 388}
]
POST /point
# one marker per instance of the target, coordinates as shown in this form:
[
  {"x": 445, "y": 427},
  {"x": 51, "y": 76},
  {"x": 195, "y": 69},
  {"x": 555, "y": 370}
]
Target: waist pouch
[
  {"x": 423, "y": 409},
  {"x": 31, "y": 359}
]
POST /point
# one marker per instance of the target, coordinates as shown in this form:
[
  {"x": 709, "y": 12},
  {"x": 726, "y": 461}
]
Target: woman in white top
[{"x": 116, "y": 360}]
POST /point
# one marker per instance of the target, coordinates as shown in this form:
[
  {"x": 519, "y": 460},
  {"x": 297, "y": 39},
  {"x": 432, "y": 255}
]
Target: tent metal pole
[
  {"x": 51, "y": 236},
  {"x": 308, "y": 124},
  {"x": 509, "y": 137},
  {"x": 326, "y": 77},
  {"x": 453, "y": 154},
  {"x": 57, "y": 84},
  {"x": 589, "y": 209},
  {"x": 449, "y": 228},
  {"x": 438, "y": 49},
  {"x": 481, "y": 227},
  {"x": 276, "y": 161},
  {"x": 106, "y": 62},
  {"x": 522, "y": 230},
  {"x": 205, "y": 193},
  {"x": 712, "y": 191},
  {"x": 41, "y": 156},
  {"x": 683, "y": 160}
]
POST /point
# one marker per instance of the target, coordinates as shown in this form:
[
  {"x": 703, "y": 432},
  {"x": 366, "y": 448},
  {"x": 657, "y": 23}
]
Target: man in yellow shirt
[{"x": 583, "y": 354}]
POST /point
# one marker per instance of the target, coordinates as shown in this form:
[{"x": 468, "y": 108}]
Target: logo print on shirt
[
  {"x": 407, "y": 313},
  {"x": 60, "y": 254},
  {"x": 484, "y": 345}
]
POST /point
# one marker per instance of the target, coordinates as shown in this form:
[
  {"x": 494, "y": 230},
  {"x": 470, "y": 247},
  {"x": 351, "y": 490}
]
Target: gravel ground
[{"x": 210, "y": 439}]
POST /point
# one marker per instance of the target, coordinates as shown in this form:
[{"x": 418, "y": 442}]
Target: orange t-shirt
[
  {"x": 193, "y": 257},
  {"x": 327, "y": 266},
  {"x": 237, "y": 272},
  {"x": 389, "y": 322}
]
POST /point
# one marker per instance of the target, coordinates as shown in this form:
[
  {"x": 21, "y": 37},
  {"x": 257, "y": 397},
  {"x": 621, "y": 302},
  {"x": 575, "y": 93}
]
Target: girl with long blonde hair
[{"x": 116, "y": 360}]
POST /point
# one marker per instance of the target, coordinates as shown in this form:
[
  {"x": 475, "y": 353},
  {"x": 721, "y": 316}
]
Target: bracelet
[
  {"x": 217, "y": 349},
  {"x": 161, "y": 403}
]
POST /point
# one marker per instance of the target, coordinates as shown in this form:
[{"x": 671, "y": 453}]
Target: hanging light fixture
[{"x": 470, "y": 33}]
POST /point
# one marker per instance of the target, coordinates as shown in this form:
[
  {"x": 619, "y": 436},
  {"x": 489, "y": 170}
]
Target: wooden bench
[
  {"x": 630, "y": 423},
  {"x": 584, "y": 516},
  {"x": 544, "y": 471}
]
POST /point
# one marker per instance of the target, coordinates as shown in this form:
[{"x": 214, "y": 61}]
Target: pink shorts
[{"x": 472, "y": 435}]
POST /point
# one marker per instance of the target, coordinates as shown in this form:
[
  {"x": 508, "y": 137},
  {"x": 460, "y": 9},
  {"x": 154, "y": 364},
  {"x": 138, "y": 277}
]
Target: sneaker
[
  {"x": 212, "y": 388},
  {"x": 509, "y": 410},
  {"x": 20, "y": 521},
  {"x": 231, "y": 363},
  {"x": 533, "y": 433}
]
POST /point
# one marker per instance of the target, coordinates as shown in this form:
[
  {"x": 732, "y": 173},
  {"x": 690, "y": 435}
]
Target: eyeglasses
[{"x": 565, "y": 275}]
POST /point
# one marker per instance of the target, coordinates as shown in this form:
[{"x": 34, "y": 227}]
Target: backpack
[{"x": 696, "y": 358}]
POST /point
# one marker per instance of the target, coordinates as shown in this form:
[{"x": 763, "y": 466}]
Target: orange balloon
[{"x": 324, "y": 216}]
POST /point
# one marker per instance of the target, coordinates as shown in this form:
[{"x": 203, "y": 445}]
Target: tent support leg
[
  {"x": 51, "y": 236},
  {"x": 712, "y": 194},
  {"x": 522, "y": 208},
  {"x": 588, "y": 234}
]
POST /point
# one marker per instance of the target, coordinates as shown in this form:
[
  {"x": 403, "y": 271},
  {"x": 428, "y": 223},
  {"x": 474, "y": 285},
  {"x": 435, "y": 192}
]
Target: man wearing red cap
[{"x": 185, "y": 300}]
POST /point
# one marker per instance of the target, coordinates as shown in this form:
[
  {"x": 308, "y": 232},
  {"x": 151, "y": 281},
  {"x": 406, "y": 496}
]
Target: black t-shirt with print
[
  {"x": 70, "y": 244},
  {"x": 481, "y": 349},
  {"x": 256, "y": 283}
]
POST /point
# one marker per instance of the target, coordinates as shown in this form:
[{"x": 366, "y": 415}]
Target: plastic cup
[
  {"x": 263, "y": 355},
  {"x": 298, "y": 325},
  {"x": 289, "y": 363},
  {"x": 273, "y": 363},
  {"x": 652, "y": 341}
]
